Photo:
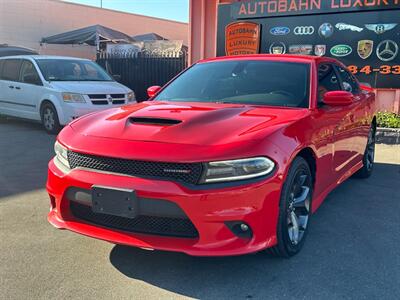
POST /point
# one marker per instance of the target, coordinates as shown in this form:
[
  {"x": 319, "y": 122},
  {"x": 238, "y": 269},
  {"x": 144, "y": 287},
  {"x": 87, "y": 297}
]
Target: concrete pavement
[{"x": 352, "y": 251}]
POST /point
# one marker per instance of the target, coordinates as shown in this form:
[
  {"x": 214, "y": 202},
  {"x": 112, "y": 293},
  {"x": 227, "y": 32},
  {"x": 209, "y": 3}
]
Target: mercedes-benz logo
[{"x": 387, "y": 50}]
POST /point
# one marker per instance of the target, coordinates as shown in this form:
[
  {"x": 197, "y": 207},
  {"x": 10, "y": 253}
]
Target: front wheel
[
  {"x": 369, "y": 156},
  {"x": 50, "y": 118},
  {"x": 294, "y": 210}
]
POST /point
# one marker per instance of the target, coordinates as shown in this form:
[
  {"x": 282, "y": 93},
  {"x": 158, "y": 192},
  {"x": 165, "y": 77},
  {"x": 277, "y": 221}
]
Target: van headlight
[
  {"x": 73, "y": 98},
  {"x": 239, "y": 169},
  {"x": 131, "y": 97},
  {"x": 61, "y": 158}
]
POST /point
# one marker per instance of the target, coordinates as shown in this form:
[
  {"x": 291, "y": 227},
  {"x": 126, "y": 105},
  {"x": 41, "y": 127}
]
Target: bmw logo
[{"x": 325, "y": 30}]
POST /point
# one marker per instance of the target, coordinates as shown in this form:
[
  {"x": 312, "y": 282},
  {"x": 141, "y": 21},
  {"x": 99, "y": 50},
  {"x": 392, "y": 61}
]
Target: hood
[
  {"x": 90, "y": 87},
  {"x": 187, "y": 123}
]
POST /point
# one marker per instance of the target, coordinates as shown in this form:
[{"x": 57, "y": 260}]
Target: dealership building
[
  {"x": 363, "y": 34},
  {"x": 25, "y": 23}
]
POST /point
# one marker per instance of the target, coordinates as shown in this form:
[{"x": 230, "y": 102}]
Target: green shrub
[{"x": 388, "y": 120}]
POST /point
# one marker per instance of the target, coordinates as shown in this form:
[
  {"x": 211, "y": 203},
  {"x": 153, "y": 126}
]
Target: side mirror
[
  {"x": 117, "y": 77},
  {"x": 338, "y": 98},
  {"x": 153, "y": 90},
  {"x": 32, "y": 79}
]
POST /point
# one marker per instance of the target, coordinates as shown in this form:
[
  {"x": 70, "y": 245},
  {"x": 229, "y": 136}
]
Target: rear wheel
[
  {"x": 50, "y": 118},
  {"x": 294, "y": 210},
  {"x": 369, "y": 156}
]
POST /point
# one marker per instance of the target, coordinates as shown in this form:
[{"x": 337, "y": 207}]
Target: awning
[
  {"x": 149, "y": 37},
  {"x": 91, "y": 35}
]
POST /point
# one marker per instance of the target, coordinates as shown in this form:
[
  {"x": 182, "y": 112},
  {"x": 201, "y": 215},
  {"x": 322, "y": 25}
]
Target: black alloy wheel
[
  {"x": 369, "y": 156},
  {"x": 294, "y": 210}
]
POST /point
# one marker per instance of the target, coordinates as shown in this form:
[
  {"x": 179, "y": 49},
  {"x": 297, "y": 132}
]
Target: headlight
[
  {"x": 131, "y": 97},
  {"x": 73, "y": 98},
  {"x": 61, "y": 155},
  {"x": 239, "y": 169}
]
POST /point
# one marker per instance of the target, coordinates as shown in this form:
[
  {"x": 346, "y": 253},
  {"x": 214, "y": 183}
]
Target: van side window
[
  {"x": 1, "y": 66},
  {"x": 29, "y": 74},
  {"x": 348, "y": 81},
  {"x": 327, "y": 80},
  {"x": 11, "y": 69}
]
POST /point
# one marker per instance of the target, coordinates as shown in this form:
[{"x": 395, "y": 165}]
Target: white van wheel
[{"x": 48, "y": 114}]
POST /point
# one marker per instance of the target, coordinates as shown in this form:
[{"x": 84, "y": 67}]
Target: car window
[
  {"x": 349, "y": 82},
  {"x": 257, "y": 82},
  {"x": 327, "y": 80},
  {"x": 71, "y": 70},
  {"x": 11, "y": 69},
  {"x": 1, "y": 66},
  {"x": 29, "y": 74}
]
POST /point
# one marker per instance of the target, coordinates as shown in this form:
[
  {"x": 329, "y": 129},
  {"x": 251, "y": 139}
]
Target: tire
[
  {"x": 294, "y": 210},
  {"x": 50, "y": 122},
  {"x": 369, "y": 156}
]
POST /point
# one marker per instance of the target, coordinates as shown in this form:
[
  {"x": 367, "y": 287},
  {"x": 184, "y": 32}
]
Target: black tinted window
[
  {"x": 348, "y": 81},
  {"x": 327, "y": 80},
  {"x": 71, "y": 70},
  {"x": 242, "y": 81},
  {"x": 11, "y": 69},
  {"x": 29, "y": 73}
]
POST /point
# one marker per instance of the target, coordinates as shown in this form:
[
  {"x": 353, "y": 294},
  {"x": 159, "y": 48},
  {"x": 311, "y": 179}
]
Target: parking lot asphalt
[{"x": 352, "y": 250}]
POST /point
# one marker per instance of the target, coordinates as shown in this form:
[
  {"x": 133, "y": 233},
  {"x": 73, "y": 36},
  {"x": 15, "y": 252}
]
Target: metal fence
[{"x": 140, "y": 70}]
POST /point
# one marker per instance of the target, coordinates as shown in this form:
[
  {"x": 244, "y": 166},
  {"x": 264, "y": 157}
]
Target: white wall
[{"x": 25, "y": 22}]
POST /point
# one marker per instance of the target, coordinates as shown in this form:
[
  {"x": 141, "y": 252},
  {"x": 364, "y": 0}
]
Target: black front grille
[
  {"x": 100, "y": 102},
  {"x": 166, "y": 226},
  {"x": 97, "y": 96},
  {"x": 118, "y": 102},
  {"x": 117, "y": 96},
  {"x": 185, "y": 172}
]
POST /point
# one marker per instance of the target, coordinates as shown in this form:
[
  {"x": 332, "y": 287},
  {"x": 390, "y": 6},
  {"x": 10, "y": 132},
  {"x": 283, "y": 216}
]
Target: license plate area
[{"x": 113, "y": 201}]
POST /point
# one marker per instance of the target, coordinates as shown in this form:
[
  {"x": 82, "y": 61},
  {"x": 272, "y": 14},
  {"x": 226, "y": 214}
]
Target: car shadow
[{"x": 331, "y": 264}]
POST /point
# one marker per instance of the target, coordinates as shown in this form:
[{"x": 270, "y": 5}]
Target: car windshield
[
  {"x": 244, "y": 82},
  {"x": 72, "y": 70}
]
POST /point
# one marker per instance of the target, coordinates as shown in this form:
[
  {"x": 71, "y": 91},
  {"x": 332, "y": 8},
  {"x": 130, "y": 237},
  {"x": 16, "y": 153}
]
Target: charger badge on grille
[{"x": 177, "y": 171}]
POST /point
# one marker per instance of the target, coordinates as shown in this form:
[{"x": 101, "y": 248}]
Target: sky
[{"x": 177, "y": 10}]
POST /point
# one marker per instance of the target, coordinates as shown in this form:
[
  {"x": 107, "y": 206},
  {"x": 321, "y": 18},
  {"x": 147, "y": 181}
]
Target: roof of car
[
  {"x": 38, "y": 57},
  {"x": 280, "y": 57}
]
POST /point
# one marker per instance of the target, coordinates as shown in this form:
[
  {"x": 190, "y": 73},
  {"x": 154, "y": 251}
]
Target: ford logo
[{"x": 279, "y": 30}]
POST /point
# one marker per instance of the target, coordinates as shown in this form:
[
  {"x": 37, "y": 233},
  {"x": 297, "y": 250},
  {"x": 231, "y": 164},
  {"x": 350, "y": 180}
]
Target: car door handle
[
  {"x": 11, "y": 86},
  {"x": 17, "y": 88}
]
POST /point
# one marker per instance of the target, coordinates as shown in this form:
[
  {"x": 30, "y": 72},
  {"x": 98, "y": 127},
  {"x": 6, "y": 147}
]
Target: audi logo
[{"x": 304, "y": 30}]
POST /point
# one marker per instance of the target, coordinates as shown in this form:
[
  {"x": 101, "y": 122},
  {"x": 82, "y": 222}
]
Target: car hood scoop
[
  {"x": 153, "y": 121},
  {"x": 186, "y": 123}
]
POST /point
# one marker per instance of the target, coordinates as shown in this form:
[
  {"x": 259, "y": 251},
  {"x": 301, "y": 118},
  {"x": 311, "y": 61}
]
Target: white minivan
[{"x": 56, "y": 90}]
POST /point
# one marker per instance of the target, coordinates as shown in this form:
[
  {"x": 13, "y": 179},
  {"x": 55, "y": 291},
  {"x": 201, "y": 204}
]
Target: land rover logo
[{"x": 341, "y": 50}]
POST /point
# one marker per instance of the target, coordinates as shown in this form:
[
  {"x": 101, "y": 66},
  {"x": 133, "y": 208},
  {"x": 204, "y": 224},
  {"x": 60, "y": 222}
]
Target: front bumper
[
  {"x": 256, "y": 204},
  {"x": 72, "y": 111}
]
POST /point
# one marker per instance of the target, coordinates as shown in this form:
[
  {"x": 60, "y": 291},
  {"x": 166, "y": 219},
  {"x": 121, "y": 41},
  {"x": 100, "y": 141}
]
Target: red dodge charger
[{"x": 232, "y": 156}]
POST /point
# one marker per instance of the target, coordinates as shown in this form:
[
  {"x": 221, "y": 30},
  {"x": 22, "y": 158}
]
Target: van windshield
[
  {"x": 256, "y": 82},
  {"x": 71, "y": 70}
]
